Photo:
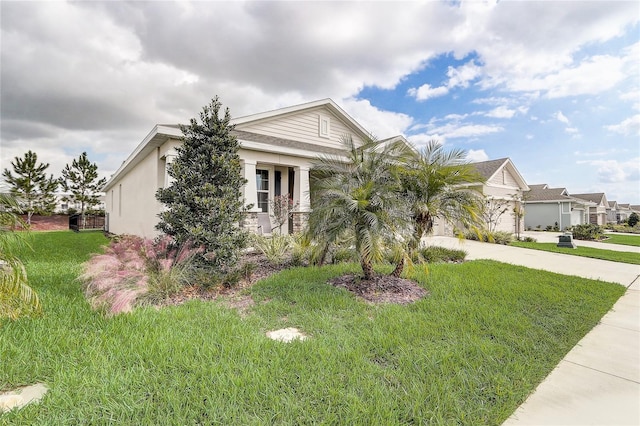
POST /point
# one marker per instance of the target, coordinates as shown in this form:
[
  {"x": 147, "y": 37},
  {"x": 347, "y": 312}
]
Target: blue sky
[{"x": 553, "y": 85}]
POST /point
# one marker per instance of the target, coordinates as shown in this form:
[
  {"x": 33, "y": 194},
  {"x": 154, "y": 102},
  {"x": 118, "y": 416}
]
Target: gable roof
[
  {"x": 327, "y": 103},
  {"x": 613, "y": 204},
  {"x": 488, "y": 169},
  {"x": 596, "y": 197},
  {"x": 161, "y": 133},
  {"x": 541, "y": 193}
]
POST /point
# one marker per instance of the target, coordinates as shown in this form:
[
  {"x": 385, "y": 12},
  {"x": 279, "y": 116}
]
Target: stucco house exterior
[
  {"x": 545, "y": 206},
  {"x": 504, "y": 186},
  {"x": 276, "y": 151},
  {"x": 624, "y": 211},
  {"x": 612, "y": 212},
  {"x": 598, "y": 211}
]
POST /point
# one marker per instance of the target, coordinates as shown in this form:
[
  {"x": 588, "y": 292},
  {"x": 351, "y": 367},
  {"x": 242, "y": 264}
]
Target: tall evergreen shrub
[{"x": 204, "y": 204}]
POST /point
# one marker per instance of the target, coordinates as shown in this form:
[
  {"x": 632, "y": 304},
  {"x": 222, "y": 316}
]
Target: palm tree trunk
[
  {"x": 367, "y": 268},
  {"x": 398, "y": 270}
]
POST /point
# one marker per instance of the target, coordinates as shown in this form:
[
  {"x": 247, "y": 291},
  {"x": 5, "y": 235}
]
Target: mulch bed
[{"x": 382, "y": 289}]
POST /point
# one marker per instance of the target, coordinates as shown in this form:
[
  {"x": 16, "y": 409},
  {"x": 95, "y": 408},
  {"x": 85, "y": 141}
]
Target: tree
[
  {"x": 33, "y": 191},
  {"x": 81, "y": 180},
  {"x": 204, "y": 204},
  {"x": 437, "y": 185},
  {"x": 281, "y": 209},
  {"x": 360, "y": 198},
  {"x": 493, "y": 210},
  {"x": 633, "y": 219},
  {"x": 16, "y": 297}
]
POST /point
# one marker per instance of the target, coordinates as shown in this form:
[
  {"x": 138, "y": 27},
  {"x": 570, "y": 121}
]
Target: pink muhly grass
[{"x": 117, "y": 279}]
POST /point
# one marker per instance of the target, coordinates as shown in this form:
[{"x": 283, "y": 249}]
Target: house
[
  {"x": 598, "y": 211},
  {"x": 276, "y": 152},
  {"x": 63, "y": 206},
  {"x": 503, "y": 189},
  {"x": 554, "y": 207},
  {"x": 612, "y": 212},
  {"x": 624, "y": 211}
]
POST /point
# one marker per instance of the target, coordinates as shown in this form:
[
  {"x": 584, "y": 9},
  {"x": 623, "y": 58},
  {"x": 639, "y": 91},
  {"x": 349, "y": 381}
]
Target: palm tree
[
  {"x": 359, "y": 196},
  {"x": 16, "y": 297},
  {"x": 437, "y": 185}
]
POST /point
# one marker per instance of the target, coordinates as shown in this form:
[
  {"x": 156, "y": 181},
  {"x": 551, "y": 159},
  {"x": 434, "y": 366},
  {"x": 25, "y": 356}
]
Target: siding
[
  {"x": 503, "y": 177},
  {"x": 303, "y": 127}
]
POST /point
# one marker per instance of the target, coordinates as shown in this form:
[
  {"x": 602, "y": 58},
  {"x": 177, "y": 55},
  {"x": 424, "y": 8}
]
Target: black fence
[{"x": 90, "y": 222}]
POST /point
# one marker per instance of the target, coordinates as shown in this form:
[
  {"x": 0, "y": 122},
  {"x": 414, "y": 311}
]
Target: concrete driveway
[{"x": 598, "y": 382}]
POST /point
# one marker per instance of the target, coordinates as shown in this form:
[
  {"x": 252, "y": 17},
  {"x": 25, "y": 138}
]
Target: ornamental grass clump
[{"x": 135, "y": 271}]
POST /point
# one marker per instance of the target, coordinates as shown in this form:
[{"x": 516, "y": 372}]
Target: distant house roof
[
  {"x": 541, "y": 193},
  {"x": 595, "y": 197},
  {"x": 635, "y": 207}
]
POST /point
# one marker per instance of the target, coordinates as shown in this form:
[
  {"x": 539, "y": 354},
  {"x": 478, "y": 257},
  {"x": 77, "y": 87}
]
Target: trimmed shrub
[
  {"x": 498, "y": 237},
  {"x": 587, "y": 232},
  {"x": 435, "y": 254}
]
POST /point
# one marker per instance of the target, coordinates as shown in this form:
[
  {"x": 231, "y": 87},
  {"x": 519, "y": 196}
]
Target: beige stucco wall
[{"x": 131, "y": 202}]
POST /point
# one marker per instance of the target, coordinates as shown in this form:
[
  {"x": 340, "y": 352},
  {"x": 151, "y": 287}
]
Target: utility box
[{"x": 566, "y": 240}]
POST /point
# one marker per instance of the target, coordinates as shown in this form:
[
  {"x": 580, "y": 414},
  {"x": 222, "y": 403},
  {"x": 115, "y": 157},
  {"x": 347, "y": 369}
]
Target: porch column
[
  {"x": 301, "y": 189},
  {"x": 250, "y": 190},
  {"x": 301, "y": 198}
]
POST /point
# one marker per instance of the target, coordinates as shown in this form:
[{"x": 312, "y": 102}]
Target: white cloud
[
  {"x": 425, "y": 92},
  {"x": 561, "y": 117},
  {"x": 501, "y": 112},
  {"x": 477, "y": 155},
  {"x": 614, "y": 171},
  {"x": 628, "y": 127},
  {"x": 461, "y": 76},
  {"x": 455, "y": 130},
  {"x": 381, "y": 124}
]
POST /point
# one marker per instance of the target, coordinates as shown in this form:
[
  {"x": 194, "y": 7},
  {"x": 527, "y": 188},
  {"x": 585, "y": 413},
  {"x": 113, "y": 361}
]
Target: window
[
  {"x": 324, "y": 126},
  {"x": 262, "y": 184}
]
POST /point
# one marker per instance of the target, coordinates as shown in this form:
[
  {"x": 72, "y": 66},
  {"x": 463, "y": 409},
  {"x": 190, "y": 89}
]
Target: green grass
[
  {"x": 627, "y": 240},
  {"x": 469, "y": 353},
  {"x": 595, "y": 253}
]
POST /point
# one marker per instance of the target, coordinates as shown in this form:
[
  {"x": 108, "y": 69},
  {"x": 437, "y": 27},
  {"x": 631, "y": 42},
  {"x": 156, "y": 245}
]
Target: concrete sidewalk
[{"x": 598, "y": 382}]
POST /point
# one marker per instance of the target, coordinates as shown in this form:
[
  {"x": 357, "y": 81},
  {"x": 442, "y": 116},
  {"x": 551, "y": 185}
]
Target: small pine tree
[
  {"x": 633, "y": 219},
  {"x": 204, "y": 203},
  {"x": 34, "y": 192},
  {"x": 81, "y": 180}
]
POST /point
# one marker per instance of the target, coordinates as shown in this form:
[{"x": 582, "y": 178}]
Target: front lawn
[
  {"x": 468, "y": 353},
  {"x": 627, "y": 240},
  {"x": 594, "y": 253}
]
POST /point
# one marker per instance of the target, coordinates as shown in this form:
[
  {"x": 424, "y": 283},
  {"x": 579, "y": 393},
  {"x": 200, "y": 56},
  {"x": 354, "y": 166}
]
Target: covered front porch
[{"x": 269, "y": 177}]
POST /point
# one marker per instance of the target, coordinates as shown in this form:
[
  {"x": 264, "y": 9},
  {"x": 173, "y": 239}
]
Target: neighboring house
[
  {"x": 597, "y": 212},
  {"x": 62, "y": 206},
  {"x": 612, "y": 212},
  {"x": 503, "y": 190},
  {"x": 545, "y": 206},
  {"x": 624, "y": 211},
  {"x": 276, "y": 152},
  {"x": 634, "y": 208}
]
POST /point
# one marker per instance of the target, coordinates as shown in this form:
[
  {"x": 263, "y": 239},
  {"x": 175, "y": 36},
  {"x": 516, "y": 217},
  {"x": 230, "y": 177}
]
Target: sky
[{"x": 553, "y": 85}]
